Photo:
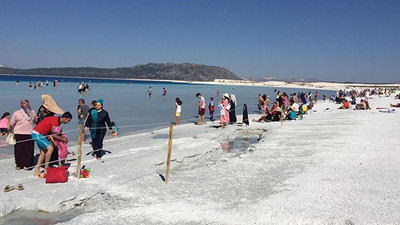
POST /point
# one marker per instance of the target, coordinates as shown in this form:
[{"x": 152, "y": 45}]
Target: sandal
[
  {"x": 20, "y": 187},
  {"x": 8, "y": 188},
  {"x": 42, "y": 175}
]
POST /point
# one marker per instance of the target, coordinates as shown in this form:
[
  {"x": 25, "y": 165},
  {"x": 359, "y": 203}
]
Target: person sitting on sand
[
  {"x": 345, "y": 105},
  {"x": 295, "y": 107},
  {"x": 261, "y": 119},
  {"x": 290, "y": 114},
  {"x": 361, "y": 106},
  {"x": 275, "y": 112}
]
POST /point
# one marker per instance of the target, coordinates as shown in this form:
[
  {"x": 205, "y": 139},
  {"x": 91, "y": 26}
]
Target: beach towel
[{"x": 51, "y": 105}]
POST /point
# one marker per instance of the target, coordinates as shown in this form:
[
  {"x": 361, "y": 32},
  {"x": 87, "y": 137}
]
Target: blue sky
[{"x": 328, "y": 40}]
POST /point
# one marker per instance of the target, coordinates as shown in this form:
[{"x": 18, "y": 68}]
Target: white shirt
[
  {"x": 296, "y": 107},
  {"x": 178, "y": 107},
  {"x": 203, "y": 102}
]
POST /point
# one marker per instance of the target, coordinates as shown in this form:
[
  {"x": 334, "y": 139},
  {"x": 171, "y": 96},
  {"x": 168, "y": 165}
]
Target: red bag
[{"x": 57, "y": 174}]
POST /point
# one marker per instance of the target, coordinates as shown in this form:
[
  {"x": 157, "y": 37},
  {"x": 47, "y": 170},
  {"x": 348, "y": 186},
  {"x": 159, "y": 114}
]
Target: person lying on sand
[{"x": 395, "y": 105}]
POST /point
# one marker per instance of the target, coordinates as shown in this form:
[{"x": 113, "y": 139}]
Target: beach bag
[
  {"x": 11, "y": 139},
  {"x": 57, "y": 174}
]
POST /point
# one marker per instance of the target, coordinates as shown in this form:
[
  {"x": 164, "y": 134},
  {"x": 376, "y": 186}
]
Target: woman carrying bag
[{"x": 22, "y": 122}]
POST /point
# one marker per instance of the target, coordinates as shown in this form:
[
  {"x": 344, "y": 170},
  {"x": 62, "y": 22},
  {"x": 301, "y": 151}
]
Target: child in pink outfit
[
  {"x": 61, "y": 142},
  {"x": 5, "y": 124}
]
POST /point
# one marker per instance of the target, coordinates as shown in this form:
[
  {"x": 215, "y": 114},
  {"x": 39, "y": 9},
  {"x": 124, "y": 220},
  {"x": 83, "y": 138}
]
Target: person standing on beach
[
  {"x": 222, "y": 118},
  {"x": 178, "y": 109},
  {"x": 201, "y": 108},
  {"x": 83, "y": 110},
  {"x": 232, "y": 110},
  {"x": 5, "y": 124},
  {"x": 96, "y": 121},
  {"x": 226, "y": 107},
  {"x": 211, "y": 108},
  {"x": 39, "y": 134},
  {"x": 23, "y": 121}
]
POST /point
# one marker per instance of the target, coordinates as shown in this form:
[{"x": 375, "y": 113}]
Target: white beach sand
[
  {"x": 332, "y": 167},
  {"x": 307, "y": 85}
]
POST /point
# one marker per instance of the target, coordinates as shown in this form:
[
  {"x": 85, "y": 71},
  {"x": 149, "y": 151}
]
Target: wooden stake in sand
[
  {"x": 171, "y": 130},
  {"x": 78, "y": 169}
]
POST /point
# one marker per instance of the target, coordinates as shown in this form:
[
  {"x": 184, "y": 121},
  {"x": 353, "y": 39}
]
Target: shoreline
[{"x": 333, "y": 86}]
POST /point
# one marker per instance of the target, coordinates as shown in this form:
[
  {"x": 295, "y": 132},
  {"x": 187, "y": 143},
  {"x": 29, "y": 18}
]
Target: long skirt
[{"x": 23, "y": 150}]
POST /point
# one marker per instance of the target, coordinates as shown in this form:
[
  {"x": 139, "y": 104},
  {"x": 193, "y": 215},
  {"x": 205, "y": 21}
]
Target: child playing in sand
[
  {"x": 178, "y": 109},
  {"x": 114, "y": 129},
  {"x": 60, "y": 140},
  {"x": 5, "y": 124}
]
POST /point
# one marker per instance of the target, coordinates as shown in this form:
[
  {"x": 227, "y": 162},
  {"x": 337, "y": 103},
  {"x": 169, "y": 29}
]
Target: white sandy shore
[
  {"x": 305, "y": 85},
  {"x": 332, "y": 167}
]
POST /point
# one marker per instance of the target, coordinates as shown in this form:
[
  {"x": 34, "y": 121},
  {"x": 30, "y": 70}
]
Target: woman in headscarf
[
  {"x": 232, "y": 111},
  {"x": 23, "y": 121},
  {"x": 96, "y": 121}
]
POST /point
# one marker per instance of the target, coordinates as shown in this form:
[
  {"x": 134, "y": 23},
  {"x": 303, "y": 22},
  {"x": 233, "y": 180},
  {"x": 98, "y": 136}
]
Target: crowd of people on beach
[
  {"x": 44, "y": 128},
  {"x": 285, "y": 107},
  {"x": 357, "y": 99}
]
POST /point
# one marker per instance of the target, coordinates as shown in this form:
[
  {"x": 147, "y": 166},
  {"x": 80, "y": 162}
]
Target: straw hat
[
  {"x": 51, "y": 105},
  {"x": 226, "y": 95}
]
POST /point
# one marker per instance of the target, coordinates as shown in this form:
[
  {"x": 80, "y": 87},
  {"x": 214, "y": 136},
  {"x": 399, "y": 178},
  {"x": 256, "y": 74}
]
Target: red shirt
[
  {"x": 273, "y": 109},
  {"x": 44, "y": 126}
]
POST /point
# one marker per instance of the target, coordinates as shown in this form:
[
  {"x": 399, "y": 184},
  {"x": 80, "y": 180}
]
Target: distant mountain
[{"x": 159, "y": 71}]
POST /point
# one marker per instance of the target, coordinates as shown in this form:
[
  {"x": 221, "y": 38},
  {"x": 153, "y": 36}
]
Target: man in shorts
[
  {"x": 39, "y": 134},
  {"x": 202, "y": 108}
]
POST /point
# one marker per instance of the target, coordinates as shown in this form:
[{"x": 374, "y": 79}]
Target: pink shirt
[
  {"x": 4, "y": 123},
  {"x": 20, "y": 124}
]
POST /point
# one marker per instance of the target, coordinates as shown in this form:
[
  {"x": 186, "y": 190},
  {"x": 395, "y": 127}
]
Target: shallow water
[
  {"x": 128, "y": 104},
  {"x": 31, "y": 217},
  {"x": 239, "y": 145}
]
